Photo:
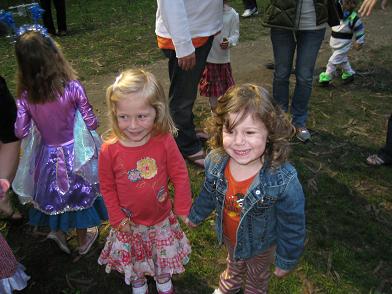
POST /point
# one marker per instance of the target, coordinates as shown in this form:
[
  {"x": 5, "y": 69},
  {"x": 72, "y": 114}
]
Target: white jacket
[
  {"x": 182, "y": 20},
  {"x": 230, "y": 31}
]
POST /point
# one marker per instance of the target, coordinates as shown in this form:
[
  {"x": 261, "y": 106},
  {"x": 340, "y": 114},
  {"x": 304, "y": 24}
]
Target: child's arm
[
  {"x": 108, "y": 187},
  {"x": 23, "y": 119},
  {"x": 234, "y": 30},
  {"x": 178, "y": 174},
  {"x": 359, "y": 33},
  {"x": 205, "y": 202},
  {"x": 234, "y": 33},
  {"x": 290, "y": 212},
  {"x": 84, "y": 106}
]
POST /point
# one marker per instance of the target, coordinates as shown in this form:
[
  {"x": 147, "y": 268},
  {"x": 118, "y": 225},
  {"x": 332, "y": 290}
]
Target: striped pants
[{"x": 255, "y": 272}]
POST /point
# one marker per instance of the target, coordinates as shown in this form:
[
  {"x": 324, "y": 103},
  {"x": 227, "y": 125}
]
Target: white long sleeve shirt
[
  {"x": 230, "y": 31},
  {"x": 182, "y": 20}
]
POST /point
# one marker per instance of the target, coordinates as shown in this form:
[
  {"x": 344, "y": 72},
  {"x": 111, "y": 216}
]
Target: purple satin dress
[{"x": 57, "y": 188}]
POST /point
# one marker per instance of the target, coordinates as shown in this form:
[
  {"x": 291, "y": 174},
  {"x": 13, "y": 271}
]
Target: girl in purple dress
[{"x": 58, "y": 170}]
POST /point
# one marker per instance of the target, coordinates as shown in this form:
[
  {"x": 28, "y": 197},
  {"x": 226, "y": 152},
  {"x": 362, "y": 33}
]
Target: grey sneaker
[
  {"x": 303, "y": 134},
  {"x": 250, "y": 12}
]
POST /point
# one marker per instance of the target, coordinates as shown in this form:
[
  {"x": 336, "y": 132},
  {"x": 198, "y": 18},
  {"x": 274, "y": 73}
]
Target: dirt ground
[{"x": 248, "y": 61}]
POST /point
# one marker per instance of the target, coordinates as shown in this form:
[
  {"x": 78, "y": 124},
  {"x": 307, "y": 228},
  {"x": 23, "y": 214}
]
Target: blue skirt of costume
[{"x": 61, "y": 181}]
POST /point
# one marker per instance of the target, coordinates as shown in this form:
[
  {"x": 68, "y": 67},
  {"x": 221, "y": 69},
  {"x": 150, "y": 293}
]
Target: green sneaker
[
  {"x": 325, "y": 79},
  {"x": 347, "y": 77}
]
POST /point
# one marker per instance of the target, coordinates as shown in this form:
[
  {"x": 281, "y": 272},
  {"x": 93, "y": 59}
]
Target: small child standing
[
  {"x": 255, "y": 192},
  {"x": 12, "y": 275},
  {"x": 341, "y": 42},
  {"x": 58, "y": 170},
  {"x": 217, "y": 76},
  {"x": 136, "y": 162}
]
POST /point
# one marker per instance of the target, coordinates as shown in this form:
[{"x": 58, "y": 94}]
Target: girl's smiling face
[
  {"x": 245, "y": 143},
  {"x": 135, "y": 117}
]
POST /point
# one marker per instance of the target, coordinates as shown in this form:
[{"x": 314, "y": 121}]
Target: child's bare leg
[
  {"x": 384, "y": 4},
  {"x": 9, "y": 159},
  {"x": 213, "y": 102}
]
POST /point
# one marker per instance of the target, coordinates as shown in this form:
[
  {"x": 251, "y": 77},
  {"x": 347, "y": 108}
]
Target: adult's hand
[
  {"x": 187, "y": 62},
  {"x": 367, "y": 7}
]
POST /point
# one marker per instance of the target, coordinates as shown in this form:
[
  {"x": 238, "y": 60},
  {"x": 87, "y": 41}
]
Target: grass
[{"x": 349, "y": 205}]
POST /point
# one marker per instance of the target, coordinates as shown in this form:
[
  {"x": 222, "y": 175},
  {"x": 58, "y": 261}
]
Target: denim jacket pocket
[{"x": 264, "y": 204}]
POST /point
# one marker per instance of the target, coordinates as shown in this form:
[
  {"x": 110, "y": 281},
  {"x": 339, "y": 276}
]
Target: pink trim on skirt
[{"x": 155, "y": 250}]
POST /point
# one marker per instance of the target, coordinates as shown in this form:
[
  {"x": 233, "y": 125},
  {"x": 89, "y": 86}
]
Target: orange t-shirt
[{"x": 234, "y": 198}]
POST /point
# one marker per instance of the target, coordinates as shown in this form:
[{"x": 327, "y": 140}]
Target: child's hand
[
  {"x": 125, "y": 226},
  {"x": 225, "y": 43},
  {"x": 280, "y": 273},
  {"x": 358, "y": 46},
  {"x": 4, "y": 186},
  {"x": 186, "y": 221}
]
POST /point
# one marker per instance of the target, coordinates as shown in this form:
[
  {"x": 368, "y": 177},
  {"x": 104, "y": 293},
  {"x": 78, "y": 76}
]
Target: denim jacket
[{"x": 272, "y": 212}]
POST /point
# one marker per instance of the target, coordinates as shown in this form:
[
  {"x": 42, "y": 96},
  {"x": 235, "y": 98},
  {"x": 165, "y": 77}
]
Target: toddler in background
[
  {"x": 217, "y": 75},
  {"x": 58, "y": 170},
  {"x": 341, "y": 43},
  {"x": 136, "y": 162},
  {"x": 254, "y": 190}
]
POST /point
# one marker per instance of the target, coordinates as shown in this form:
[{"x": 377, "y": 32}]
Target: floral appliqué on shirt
[{"x": 146, "y": 168}]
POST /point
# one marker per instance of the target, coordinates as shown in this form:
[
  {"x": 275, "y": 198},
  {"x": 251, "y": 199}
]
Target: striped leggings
[{"x": 255, "y": 272}]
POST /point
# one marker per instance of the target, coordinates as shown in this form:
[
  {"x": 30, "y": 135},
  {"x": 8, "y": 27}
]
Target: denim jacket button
[{"x": 258, "y": 192}]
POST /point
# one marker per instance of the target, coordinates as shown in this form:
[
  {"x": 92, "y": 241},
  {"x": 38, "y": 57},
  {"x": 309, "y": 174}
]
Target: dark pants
[
  {"x": 59, "y": 5},
  {"x": 307, "y": 45},
  {"x": 386, "y": 152},
  {"x": 249, "y": 4},
  {"x": 182, "y": 96}
]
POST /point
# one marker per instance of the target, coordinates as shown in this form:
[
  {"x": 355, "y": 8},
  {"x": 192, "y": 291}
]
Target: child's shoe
[
  {"x": 59, "y": 238},
  {"x": 140, "y": 290},
  {"x": 324, "y": 79},
  {"x": 347, "y": 77},
  {"x": 91, "y": 236},
  {"x": 303, "y": 134},
  {"x": 165, "y": 288}
]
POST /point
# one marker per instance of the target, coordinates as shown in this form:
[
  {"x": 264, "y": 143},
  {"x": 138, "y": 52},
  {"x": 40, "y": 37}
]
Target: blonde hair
[
  {"x": 43, "y": 70},
  {"x": 147, "y": 87},
  {"x": 254, "y": 100}
]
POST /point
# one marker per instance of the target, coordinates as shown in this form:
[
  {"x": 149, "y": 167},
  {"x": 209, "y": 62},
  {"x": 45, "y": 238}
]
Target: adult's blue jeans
[
  {"x": 285, "y": 43},
  {"x": 386, "y": 152},
  {"x": 182, "y": 96}
]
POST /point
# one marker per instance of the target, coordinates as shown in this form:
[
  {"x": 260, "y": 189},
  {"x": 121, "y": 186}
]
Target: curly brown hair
[
  {"x": 254, "y": 100},
  {"x": 43, "y": 70}
]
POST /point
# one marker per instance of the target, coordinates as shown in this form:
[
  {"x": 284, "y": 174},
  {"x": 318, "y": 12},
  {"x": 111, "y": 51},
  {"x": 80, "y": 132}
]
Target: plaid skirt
[
  {"x": 216, "y": 79},
  {"x": 148, "y": 250}
]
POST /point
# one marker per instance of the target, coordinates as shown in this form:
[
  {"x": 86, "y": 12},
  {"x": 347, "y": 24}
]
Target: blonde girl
[{"x": 136, "y": 162}]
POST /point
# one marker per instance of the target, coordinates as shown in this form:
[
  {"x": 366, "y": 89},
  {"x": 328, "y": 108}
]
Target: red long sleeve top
[{"x": 134, "y": 181}]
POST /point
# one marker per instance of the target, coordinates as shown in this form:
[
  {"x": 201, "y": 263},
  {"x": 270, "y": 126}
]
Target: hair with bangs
[
  {"x": 249, "y": 99},
  {"x": 147, "y": 86},
  {"x": 43, "y": 70}
]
